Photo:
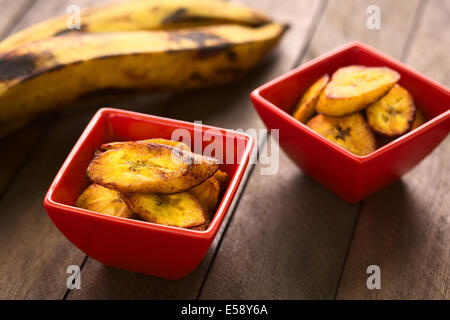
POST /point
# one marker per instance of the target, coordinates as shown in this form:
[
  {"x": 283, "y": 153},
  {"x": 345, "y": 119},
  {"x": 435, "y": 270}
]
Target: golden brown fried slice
[
  {"x": 222, "y": 177},
  {"x": 172, "y": 143},
  {"x": 350, "y": 132},
  {"x": 419, "y": 119},
  {"x": 354, "y": 87},
  {"x": 178, "y": 209},
  {"x": 393, "y": 114},
  {"x": 99, "y": 199},
  {"x": 150, "y": 168},
  {"x": 207, "y": 194},
  {"x": 307, "y": 104}
]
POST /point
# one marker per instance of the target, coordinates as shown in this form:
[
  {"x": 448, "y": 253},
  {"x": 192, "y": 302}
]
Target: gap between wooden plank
[{"x": 81, "y": 268}]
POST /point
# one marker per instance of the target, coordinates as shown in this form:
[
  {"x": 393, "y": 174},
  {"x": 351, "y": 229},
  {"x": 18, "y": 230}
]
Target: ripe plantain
[
  {"x": 306, "y": 107},
  {"x": 354, "y": 87},
  {"x": 350, "y": 132},
  {"x": 393, "y": 114},
  {"x": 178, "y": 210},
  {"x": 43, "y": 74},
  {"x": 150, "y": 168},
  {"x": 99, "y": 199},
  {"x": 141, "y": 15},
  {"x": 171, "y": 143}
]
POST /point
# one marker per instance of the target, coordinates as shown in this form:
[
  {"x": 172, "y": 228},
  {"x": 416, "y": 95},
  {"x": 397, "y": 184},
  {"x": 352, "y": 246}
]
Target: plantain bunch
[{"x": 164, "y": 45}]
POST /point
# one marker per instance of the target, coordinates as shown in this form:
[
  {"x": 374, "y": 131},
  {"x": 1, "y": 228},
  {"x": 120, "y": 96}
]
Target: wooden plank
[
  {"x": 405, "y": 229},
  {"x": 289, "y": 236},
  {"x": 35, "y": 255},
  {"x": 285, "y": 241},
  {"x": 228, "y": 106},
  {"x": 10, "y": 12}
]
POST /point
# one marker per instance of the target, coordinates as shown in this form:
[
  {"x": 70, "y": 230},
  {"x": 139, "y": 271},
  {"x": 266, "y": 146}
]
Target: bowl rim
[
  {"x": 257, "y": 95},
  {"x": 219, "y": 215}
]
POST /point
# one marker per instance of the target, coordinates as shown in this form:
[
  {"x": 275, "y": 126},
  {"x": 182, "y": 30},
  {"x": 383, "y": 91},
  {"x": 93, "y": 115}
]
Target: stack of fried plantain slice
[
  {"x": 333, "y": 108},
  {"x": 164, "y": 45},
  {"x": 158, "y": 180}
]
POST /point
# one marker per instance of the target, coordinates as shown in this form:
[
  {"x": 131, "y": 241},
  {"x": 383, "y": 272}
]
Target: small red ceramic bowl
[
  {"x": 350, "y": 176},
  {"x": 140, "y": 246}
]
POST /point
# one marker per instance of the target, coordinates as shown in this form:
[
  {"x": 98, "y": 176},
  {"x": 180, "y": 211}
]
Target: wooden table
[{"x": 285, "y": 237}]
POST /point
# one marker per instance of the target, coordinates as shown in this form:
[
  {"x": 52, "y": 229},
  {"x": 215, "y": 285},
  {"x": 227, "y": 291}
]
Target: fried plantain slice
[
  {"x": 393, "y": 114},
  {"x": 350, "y": 132},
  {"x": 178, "y": 209},
  {"x": 150, "y": 168},
  {"x": 207, "y": 194},
  {"x": 172, "y": 143},
  {"x": 354, "y": 87},
  {"x": 306, "y": 107},
  {"x": 202, "y": 227},
  {"x": 100, "y": 199},
  {"x": 222, "y": 177},
  {"x": 419, "y": 119}
]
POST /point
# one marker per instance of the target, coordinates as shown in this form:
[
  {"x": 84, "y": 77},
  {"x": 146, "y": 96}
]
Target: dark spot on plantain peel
[
  {"x": 198, "y": 37},
  {"x": 16, "y": 66}
]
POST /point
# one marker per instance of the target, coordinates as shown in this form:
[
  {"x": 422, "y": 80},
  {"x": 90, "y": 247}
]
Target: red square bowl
[
  {"x": 350, "y": 176},
  {"x": 140, "y": 246}
]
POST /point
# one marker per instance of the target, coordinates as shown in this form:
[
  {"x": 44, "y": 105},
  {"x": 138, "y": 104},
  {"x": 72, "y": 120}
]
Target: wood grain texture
[
  {"x": 228, "y": 106},
  {"x": 405, "y": 228},
  {"x": 27, "y": 13},
  {"x": 289, "y": 237}
]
